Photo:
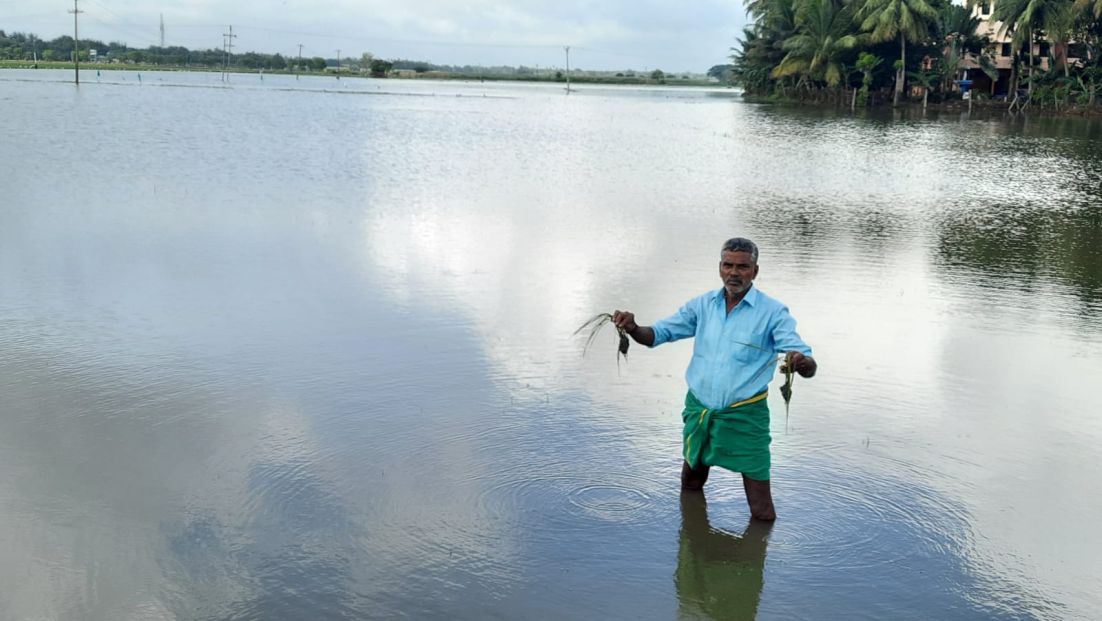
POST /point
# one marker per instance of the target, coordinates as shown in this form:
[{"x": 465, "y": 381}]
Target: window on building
[
  {"x": 1043, "y": 49},
  {"x": 1006, "y": 50},
  {"x": 985, "y": 8}
]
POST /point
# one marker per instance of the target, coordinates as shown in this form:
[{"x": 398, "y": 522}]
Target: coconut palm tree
[
  {"x": 1021, "y": 17},
  {"x": 816, "y": 50},
  {"x": 866, "y": 64},
  {"x": 762, "y": 45},
  {"x": 927, "y": 79},
  {"x": 753, "y": 61},
  {"x": 1059, "y": 25},
  {"x": 909, "y": 20},
  {"x": 957, "y": 26},
  {"x": 1089, "y": 6}
]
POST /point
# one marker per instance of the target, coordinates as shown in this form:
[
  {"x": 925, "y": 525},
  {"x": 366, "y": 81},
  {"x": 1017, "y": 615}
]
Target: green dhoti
[{"x": 735, "y": 437}]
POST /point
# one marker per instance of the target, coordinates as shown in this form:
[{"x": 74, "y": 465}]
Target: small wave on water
[
  {"x": 855, "y": 520},
  {"x": 887, "y": 525},
  {"x": 564, "y": 501}
]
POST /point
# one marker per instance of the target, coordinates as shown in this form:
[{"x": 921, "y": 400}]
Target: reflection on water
[
  {"x": 1011, "y": 246},
  {"x": 719, "y": 574},
  {"x": 283, "y": 349}
]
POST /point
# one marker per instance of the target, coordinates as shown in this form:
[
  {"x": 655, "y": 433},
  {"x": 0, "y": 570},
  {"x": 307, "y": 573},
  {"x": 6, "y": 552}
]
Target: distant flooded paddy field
[{"x": 279, "y": 348}]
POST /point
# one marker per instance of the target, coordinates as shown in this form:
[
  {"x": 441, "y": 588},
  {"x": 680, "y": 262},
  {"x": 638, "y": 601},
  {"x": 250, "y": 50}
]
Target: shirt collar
[{"x": 751, "y": 298}]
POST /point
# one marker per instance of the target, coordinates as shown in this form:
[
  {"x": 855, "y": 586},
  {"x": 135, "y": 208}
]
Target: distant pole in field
[
  {"x": 162, "y": 30},
  {"x": 338, "y": 64},
  {"x": 567, "y": 48},
  {"x": 76, "y": 45},
  {"x": 227, "y": 47},
  {"x": 298, "y": 67}
]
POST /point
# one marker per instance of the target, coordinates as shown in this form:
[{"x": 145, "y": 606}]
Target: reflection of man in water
[
  {"x": 719, "y": 574},
  {"x": 738, "y": 333}
]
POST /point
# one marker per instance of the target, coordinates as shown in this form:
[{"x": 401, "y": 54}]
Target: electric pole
[
  {"x": 76, "y": 44},
  {"x": 338, "y": 64},
  {"x": 162, "y": 31},
  {"x": 227, "y": 47},
  {"x": 567, "y": 48},
  {"x": 299, "y": 65}
]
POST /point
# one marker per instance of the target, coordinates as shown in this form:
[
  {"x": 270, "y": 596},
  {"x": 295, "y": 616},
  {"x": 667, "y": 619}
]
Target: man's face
[{"x": 737, "y": 270}]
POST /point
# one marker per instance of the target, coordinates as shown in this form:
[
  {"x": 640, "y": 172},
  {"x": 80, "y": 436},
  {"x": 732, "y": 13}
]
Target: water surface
[{"x": 285, "y": 349}]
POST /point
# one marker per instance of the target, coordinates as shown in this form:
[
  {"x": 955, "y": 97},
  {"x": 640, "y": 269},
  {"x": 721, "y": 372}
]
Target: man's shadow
[{"x": 719, "y": 574}]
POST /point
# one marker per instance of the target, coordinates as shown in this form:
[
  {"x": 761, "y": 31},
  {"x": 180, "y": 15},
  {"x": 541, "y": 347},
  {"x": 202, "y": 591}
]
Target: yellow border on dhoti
[{"x": 754, "y": 399}]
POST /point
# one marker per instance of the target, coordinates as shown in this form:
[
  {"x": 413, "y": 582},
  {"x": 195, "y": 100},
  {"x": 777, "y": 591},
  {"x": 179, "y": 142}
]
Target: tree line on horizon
[
  {"x": 816, "y": 49},
  {"x": 26, "y": 47},
  {"x": 21, "y": 46}
]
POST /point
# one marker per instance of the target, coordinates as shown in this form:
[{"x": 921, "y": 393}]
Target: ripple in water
[
  {"x": 609, "y": 502},
  {"x": 841, "y": 519},
  {"x": 567, "y": 500}
]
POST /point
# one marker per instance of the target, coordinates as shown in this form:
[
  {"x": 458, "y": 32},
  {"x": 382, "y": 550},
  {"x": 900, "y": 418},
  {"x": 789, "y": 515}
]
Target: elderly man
[{"x": 738, "y": 333}]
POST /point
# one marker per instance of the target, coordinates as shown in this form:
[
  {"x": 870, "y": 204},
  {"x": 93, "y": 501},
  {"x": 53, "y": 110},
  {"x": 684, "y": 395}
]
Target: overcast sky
[{"x": 603, "y": 34}]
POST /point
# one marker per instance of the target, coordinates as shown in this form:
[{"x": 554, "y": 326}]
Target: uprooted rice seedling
[
  {"x": 786, "y": 388},
  {"x": 594, "y": 326},
  {"x": 789, "y": 377}
]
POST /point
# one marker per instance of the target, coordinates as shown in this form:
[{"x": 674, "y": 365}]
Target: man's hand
[
  {"x": 624, "y": 320},
  {"x": 804, "y": 365}
]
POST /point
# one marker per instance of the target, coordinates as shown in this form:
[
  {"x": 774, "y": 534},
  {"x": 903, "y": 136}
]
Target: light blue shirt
[{"x": 734, "y": 355}]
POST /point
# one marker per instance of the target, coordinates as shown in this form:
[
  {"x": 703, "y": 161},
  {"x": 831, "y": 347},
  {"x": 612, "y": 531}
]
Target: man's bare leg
[
  {"x": 760, "y": 499},
  {"x": 692, "y": 479}
]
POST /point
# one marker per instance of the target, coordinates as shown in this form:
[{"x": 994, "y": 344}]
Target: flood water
[{"x": 301, "y": 349}]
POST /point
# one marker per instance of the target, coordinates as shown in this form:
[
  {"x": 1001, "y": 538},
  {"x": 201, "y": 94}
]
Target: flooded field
[{"x": 301, "y": 349}]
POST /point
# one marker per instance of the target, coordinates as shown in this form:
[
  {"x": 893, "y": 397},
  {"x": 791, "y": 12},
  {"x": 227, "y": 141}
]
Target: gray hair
[{"x": 741, "y": 244}]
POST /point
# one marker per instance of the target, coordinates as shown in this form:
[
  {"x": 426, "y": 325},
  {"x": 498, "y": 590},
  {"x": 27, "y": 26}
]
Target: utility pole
[
  {"x": 567, "y": 48},
  {"x": 76, "y": 44},
  {"x": 162, "y": 31},
  {"x": 338, "y": 64},
  {"x": 299, "y": 65},
  {"x": 227, "y": 47}
]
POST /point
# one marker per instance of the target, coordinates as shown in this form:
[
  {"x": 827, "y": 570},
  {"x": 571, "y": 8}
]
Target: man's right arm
[{"x": 625, "y": 320}]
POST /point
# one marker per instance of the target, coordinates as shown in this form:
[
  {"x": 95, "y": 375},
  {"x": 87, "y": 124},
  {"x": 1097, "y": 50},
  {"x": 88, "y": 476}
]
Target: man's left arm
[{"x": 786, "y": 340}]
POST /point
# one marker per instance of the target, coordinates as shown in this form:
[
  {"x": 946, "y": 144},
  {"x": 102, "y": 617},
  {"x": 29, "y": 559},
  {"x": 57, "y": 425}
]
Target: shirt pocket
[{"x": 748, "y": 346}]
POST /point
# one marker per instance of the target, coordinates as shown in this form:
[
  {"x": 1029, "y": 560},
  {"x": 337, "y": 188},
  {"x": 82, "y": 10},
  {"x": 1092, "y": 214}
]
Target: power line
[
  {"x": 144, "y": 38},
  {"x": 364, "y": 38},
  {"x": 122, "y": 20}
]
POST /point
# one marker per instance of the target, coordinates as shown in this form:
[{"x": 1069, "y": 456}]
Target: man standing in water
[{"x": 738, "y": 333}]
